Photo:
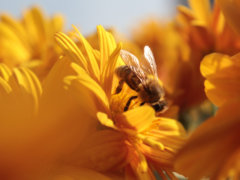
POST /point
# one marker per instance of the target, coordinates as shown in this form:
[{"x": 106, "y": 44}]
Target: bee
[{"x": 141, "y": 77}]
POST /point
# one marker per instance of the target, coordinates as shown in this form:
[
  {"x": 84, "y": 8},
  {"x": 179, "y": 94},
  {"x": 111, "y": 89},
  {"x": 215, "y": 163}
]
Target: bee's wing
[
  {"x": 148, "y": 64},
  {"x": 133, "y": 63}
]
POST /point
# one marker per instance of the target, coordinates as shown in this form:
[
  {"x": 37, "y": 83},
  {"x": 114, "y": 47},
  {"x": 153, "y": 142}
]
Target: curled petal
[{"x": 222, "y": 77}]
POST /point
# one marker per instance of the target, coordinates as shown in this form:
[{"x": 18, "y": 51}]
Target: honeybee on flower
[
  {"x": 143, "y": 78},
  {"x": 134, "y": 141}
]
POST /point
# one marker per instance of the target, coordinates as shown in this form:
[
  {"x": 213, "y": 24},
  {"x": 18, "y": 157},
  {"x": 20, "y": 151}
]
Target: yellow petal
[
  {"x": 56, "y": 23},
  {"x": 71, "y": 49},
  {"x": 15, "y": 27},
  {"x": 21, "y": 85},
  {"x": 35, "y": 26},
  {"x": 5, "y": 72},
  {"x": 151, "y": 142},
  {"x": 83, "y": 79},
  {"x": 5, "y": 88},
  {"x": 11, "y": 41},
  {"x": 107, "y": 45},
  {"x": 201, "y": 10},
  {"x": 23, "y": 89},
  {"x": 30, "y": 82},
  {"x": 109, "y": 70},
  {"x": 30, "y": 38},
  {"x": 104, "y": 120},
  {"x": 92, "y": 62},
  {"x": 139, "y": 118},
  {"x": 186, "y": 13}
]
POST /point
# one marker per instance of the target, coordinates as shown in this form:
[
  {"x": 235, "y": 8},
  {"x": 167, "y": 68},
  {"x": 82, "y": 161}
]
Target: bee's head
[{"x": 159, "y": 106}]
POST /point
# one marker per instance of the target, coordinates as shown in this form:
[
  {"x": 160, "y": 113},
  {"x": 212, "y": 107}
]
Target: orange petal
[
  {"x": 211, "y": 145},
  {"x": 231, "y": 12},
  {"x": 214, "y": 63},
  {"x": 223, "y": 77},
  {"x": 20, "y": 91},
  {"x": 103, "y": 151},
  {"x": 171, "y": 134},
  {"x": 62, "y": 122},
  {"x": 73, "y": 173}
]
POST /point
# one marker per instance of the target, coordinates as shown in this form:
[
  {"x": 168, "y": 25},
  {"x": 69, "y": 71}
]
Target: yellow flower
[
  {"x": 30, "y": 40},
  {"x": 213, "y": 150},
  {"x": 131, "y": 144}
]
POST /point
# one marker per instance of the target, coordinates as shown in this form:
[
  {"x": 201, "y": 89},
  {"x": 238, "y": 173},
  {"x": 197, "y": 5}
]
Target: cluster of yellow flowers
[{"x": 61, "y": 118}]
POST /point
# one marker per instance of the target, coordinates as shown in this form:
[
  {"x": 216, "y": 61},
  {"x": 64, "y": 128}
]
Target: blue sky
[{"x": 87, "y": 14}]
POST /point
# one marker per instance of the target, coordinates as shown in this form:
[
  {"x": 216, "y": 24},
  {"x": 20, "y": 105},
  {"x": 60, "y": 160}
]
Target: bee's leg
[
  {"x": 142, "y": 103},
  {"x": 129, "y": 102},
  {"x": 120, "y": 85}
]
